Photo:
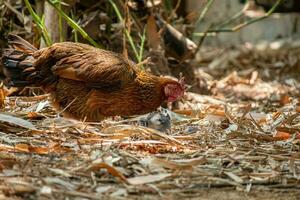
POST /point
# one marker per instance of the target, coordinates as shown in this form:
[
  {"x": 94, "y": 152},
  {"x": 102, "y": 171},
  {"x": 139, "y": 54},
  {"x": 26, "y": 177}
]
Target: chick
[{"x": 159, "y": 120}]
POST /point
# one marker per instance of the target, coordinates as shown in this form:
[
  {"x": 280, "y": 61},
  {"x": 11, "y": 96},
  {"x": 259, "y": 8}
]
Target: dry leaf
[
  {"x": 181, "y": 165},
  {"x": 34, "y": 115},
  {"x": 7, "y": 161},
  {"x": 152, "y": 33},
  {"x": 113, "y": 171},
  {"x": 40, "y": 150},
  {"x": 234, "y": 177},
  {"x": 282, "y": 135},
  {"x": 285, "y": 99},
  {"x": 16, "y": 121},
  {"x": 3, "y": 94},
  {"x": 31, "y": 149},
  {"x": 147, "y": 179}
]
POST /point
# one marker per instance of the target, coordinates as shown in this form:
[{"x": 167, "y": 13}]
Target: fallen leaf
[
  {"x": 152, "y": 33},
  {"x": 60, "y": 172},
  {"x": 113, "y": 171},
  {"x": 234, "y": 177},
  {"x": 34, "y": 115},
  {"x": 17, "y": 121},
  {"x": 185, "y": 112},
  {"x": 41, "y": 106},
  {"x": 31, "y": 149},
  {"x": 282, "y": 135},
  {"x": 121, "y": 192},
  {"x": 147, "y": 179},
  {"x": 175, "y": 165},
  {"x": 41, "y": 150},
  {"x": 284, "y": 100},
  {"x": 3, "y": 94},
  {"x": 59, "y": 181},
  {"x": 7, "y": 161},
  {"x": 22, "y": 147}
]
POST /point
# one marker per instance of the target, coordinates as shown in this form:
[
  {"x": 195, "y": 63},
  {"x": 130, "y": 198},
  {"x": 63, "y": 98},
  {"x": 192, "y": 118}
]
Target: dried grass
[{"x": 244, "y": 137}]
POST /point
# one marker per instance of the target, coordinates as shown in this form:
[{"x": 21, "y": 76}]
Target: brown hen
[{"x": 87, "y": 83}]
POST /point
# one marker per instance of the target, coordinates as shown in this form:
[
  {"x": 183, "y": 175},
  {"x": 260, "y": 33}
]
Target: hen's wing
[{"x": 97, "y": 68}]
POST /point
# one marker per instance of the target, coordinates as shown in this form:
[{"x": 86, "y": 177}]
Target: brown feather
[{"x": 90, "y": 83}]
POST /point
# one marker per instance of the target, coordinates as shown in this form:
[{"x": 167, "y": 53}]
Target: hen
[{"x": 87, "y": 83}]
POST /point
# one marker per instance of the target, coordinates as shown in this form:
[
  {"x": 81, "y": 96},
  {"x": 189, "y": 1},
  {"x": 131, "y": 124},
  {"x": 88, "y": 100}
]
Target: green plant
[
  {"x": 143, "y": 39},
  {"x": 127, "y": 33},
  {"x": 242, "y": 25},
  {"x": 56, "y": 4},
  {"x": 40, "y": 23}
]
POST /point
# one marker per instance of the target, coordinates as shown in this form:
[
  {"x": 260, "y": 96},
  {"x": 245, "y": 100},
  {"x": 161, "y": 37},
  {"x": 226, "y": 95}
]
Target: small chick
[{"x": 159, "y": 120}]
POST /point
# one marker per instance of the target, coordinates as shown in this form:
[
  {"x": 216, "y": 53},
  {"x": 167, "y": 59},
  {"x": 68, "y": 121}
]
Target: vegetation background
[{"x": 235, "y": 135}]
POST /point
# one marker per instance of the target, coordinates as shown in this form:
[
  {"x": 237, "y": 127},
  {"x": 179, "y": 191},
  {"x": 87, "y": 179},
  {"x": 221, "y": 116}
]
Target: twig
[
  {"x": 116, "y": 9},
  {"x": 10, "y": 7},
  {"x": 256, "y": 124},
  {"x": 64, "y": 109},
  {"x": 146, "y": 61},
  {"x": 173, "y": 11},
  {"x": 231, "y": 19},
  {"x": 201, "y": 17},
  {"x": 201, "y": 41},
  {"x": 165, "y": 23}
]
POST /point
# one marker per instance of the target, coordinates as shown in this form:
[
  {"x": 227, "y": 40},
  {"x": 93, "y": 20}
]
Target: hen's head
[{"x": 174, "y": 90}]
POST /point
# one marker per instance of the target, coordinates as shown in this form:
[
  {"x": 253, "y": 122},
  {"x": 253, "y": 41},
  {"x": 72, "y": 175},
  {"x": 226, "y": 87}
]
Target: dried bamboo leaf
[
  {"x": 17, "y": 121},
  {"x": 138, "y": 180}
]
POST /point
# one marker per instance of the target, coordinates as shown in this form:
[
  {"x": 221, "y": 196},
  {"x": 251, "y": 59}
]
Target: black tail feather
[
  {"x": 16, "y": 60},
  {"x": 19, "y": 43}
]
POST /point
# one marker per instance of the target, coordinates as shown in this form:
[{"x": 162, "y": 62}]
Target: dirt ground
[
  {"x": 239, "y": 142},
  {"x": 232, "y": 194}
]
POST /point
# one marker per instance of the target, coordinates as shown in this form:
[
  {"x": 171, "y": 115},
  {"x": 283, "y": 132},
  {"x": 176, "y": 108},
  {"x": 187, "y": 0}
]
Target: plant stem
[
  {"x": 231, "y": 19},
  {"x": 126, "y": 31},
  {"x": 205, "y": 10},
  {"x": 143, "y": 38},
  {"x": 73, "y": 24},
  {"x": 243, "y": 25},
  {"x": 60, "y": 26},
  {"x": 39, "y": 23},
  {"x": 74, "y": 31}
]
